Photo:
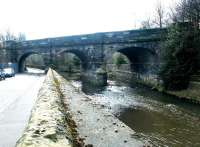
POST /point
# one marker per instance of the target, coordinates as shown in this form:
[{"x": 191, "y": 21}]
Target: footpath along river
[
  {"x": 17, "y": 97},
  {"x": 157, "y": 118}
]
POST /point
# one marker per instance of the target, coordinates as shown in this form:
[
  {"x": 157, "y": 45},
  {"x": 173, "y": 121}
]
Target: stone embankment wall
[
  {"x": 50, "y": 124},
  {"x": 124, "y": 74}
]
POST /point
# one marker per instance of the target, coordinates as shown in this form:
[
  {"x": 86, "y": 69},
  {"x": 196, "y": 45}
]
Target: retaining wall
[{"x": 49, "y": 124}]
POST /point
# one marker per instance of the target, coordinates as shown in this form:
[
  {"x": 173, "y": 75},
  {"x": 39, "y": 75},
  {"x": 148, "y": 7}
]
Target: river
[{"x": 160, "y": 119}]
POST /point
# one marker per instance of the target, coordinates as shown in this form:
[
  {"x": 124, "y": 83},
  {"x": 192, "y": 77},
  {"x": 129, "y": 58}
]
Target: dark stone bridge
[{"x": 94, "y": 50}]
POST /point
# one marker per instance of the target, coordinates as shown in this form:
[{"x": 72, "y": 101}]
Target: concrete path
[{"x": 17, "y": 96}]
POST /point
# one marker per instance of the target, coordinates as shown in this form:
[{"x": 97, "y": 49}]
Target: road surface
[{"x": 17, "y": 97}]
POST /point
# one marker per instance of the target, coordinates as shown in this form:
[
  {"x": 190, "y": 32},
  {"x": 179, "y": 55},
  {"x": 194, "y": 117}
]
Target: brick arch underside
[
  {"x": 142, "y": 60},
  {"x": 80, "y": 55},
  {"x": 21, "y": 61}
]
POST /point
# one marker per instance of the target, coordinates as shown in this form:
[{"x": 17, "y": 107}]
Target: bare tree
[
  {"x": 181, "y": 11},
  {"x": 8, "y": 36},
  {"x": 21, "y": 37},
  {"x": 2, "y": 37},
  {"x": 193, "y": 12},
  {"x": 159, "y": 14},
  {"x": 172, "y": 15},
  {"x": 146, "y": 24},
  {"x": 188, "y": 11},
  {"x": 159, "y": 20}
]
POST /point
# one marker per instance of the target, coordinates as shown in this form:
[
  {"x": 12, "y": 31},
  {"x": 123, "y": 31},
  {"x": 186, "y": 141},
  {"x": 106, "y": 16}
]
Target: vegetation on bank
[
  {"x": 180, "y": 51},
  {"x": 119, "y": 59},
  {"x": 179, "y": 56},
  {"x": 68, "y": 62}
]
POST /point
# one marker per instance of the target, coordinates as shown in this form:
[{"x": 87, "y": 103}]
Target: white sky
[{"x": 51, "y": 18}]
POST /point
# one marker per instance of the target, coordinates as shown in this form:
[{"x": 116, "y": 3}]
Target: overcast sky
[{"x": 51, "y": 18}]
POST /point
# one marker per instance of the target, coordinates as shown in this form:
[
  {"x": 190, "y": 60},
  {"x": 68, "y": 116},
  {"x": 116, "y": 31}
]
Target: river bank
[
  {"x": 96, "y": 125},
  {"x": 191, "y": 94},
  {"x": 160, "y": 119},
  {"x": 114, "y": 115},
  {"x": 65, "y": 116}
]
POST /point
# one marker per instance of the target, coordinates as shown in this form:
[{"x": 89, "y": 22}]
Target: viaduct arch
[{"x": 140, "y": 46}]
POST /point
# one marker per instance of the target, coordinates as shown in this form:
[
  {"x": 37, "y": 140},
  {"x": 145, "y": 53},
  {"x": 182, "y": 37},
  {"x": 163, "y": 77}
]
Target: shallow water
[{"x": 157, "y": 118}]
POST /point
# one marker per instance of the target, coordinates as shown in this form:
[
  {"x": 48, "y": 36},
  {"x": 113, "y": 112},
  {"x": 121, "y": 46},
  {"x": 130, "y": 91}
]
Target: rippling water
[{"x": 160, "y": 119}]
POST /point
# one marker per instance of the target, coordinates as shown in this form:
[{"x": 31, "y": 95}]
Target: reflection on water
[
  {"x": 75, "y": 78},
  {"x": 71, "y": 76},
  {"x": 162, "y": 129},
  {"x": 34, "y": 71},
  {"x": 160, "y": 119},
  {"x": 90, "y": 89}
]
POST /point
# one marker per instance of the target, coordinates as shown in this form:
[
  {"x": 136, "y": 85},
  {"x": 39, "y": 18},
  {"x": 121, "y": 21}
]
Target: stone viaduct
[{"x": 94, "y": 50}]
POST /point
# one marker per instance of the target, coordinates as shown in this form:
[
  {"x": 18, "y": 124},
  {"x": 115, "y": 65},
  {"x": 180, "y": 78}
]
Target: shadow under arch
[
  {"x": 21, "y": 60},
  {"x": 79, "y": 54},
  {"x": 143, "y": 60}
]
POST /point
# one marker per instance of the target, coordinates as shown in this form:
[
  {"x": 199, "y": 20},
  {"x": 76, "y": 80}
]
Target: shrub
[{"x": 179, "y": 56}]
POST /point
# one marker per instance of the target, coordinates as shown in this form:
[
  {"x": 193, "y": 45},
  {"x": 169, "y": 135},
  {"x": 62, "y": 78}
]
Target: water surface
[{"x": 157, "y": 118}]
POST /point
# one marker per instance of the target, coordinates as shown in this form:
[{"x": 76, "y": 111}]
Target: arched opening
[
  {"x": 118, "y": 66},
  {"x": 132, "y": 63},
  {"x": 71, "y": 63},
  {"x": 31, "y": 62},
  {"x": 142, "y": 60}
]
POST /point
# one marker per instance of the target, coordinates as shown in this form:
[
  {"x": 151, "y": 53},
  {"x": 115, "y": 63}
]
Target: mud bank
[
  {"x": 48, "y": 126},
  {"x": 96, "y": 125}
]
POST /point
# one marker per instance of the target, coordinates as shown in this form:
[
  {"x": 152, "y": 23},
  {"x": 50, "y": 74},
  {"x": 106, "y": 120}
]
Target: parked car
[
  {"x": 2, "y": 75},
  {"x": 9, "y": 72}
]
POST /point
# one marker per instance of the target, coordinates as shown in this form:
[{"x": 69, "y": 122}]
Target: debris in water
[{"x": 89, "y": 145}]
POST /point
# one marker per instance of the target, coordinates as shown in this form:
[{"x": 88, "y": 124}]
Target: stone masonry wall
[{"x": 48, "y": 126}]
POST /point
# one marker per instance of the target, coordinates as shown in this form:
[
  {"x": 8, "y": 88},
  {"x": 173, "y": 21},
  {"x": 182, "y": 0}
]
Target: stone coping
[{"x": 48, "y": 126}]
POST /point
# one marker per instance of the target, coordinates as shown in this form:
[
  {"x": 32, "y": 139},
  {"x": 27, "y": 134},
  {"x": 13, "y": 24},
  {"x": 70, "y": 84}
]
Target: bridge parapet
[
  {"x": 130, "y": 36},
  {"x": 140, "y": 46}
]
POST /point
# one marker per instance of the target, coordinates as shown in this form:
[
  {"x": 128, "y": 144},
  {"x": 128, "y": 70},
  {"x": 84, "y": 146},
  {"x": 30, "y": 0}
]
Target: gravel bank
[{"x": 95, "y": 124}]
